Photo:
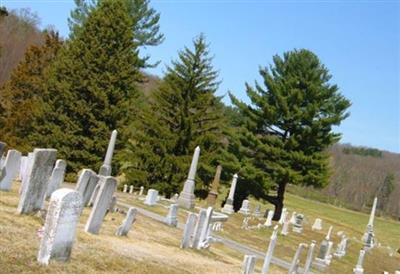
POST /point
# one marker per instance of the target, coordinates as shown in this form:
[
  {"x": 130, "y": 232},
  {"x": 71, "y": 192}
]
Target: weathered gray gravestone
[
  {"x": 90, "y": 187},
  {"x": 228, "y": 207},
  {"x": 310, "y": 253},
  {"x": 188, "y": 230},
  {"x": 101, "y": 204},
  {"x": 86, "y": 184},
  {"x": 296, "y": 261},
  {"x": 60, "y": 226},
  {"x": 205, "y": 230},
  {"x": 57, "y": 177},
  {"x": 105, "y": 169},
  {"x": 171, "y": 218},
  {"x": 213, "y": 193},
  {"x": 270, "y": 251},
  {"x": 11, "y": 166},
  {"x": 35, "y": 187},
  {"x": 245, "y": 209},
  {"x": 113, "y": 203},
  {"x": 94, "y": 194},
  {"x": 126, "y": 225},
  {"x": 151, "y": 197},
  {"x": 248, "y": 264},
  {"x": 199, "y": 226},
  {"x": 186, "y": 197}
]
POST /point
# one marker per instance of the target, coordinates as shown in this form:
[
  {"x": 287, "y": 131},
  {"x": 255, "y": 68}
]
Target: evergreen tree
[
  {"x": 145, "y": 27},
  {"x": 91, "y": 88},
  {"x": 22, "y": 96},
  {"x": 384, "y": 191},
  {"x": 182, "y": 113},
  {"x": 288, "y": 126}
]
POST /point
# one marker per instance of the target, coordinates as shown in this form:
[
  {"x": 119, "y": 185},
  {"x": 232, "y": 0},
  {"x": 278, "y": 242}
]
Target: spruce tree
[
  {"x": 91, "y": 88},
  {"x": 288, "y": 126},
  {"x": 145, "y": 27},
  {"x": 22, "y": 95},
  {"x": 182, "y": 113}
]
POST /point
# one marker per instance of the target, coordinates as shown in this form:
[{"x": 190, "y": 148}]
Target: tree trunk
[{"x": 279, "y": 202}]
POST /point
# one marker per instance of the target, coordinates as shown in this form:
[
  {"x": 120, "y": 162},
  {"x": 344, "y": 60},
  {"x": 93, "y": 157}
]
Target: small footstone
[
  {"x": 60, "y": 226},
  {"x": 126, "y": 225}
]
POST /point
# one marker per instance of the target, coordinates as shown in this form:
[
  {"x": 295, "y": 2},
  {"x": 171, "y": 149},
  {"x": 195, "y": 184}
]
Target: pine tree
[
  {"x": 182, "y": 114},
  {"x": 288, "y": 126},
  {"x": 22, "y": 96},
  {"x": 91, "y": 88},
  {"x": 145, "y": 27}
]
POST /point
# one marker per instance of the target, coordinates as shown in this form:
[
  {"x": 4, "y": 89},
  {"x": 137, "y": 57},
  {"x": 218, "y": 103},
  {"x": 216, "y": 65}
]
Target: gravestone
[
  {"x": 22, "y": 168},
  {"x": 283, "y": 215},
  {"x": 9, "y": 171},
  {"x": 125, "y": 190},
  {"x": 293, "y": 218},
  {"x": 296, "y": 261},
  {"x": 151, "y": 198},
  {"x": 317, "y": 224},
  {"x": 171, "y": 218},
  {"x": 141, "y": 190},
  {"x": 309, "y": 259},
  {"x": 359, "y": 269},
  {"x": 175, "y": 197},
  {"x": 35, "y": 184},
  {"x": 87, "y": 182},
  {"x": 130, "y": 189},
  {"x": 186, "y": 197},
  {"x": 105, "y": 169},
  {"x": 205, "y": 230},
  {"x": 228, "y": 207},
  {"x": 245, "y": 209},
  {"x": 268, "y": 222},
  {"x": 60, "y": 226},
  {"x": 199, "y": 226},
  {"x": 188, "y": 230},
  {"x": 324, "y": 255},
  {"x": 369, "y": 236},
  {"x": 341, "y": 248},
  {"x": 257, "y": 211},
  {"x": 101, "y": 204},
  {"x": 270, "y": 251},
  {"x": 213, "y": 193},
  {"x": 56, "y": 177},
  {"x": 248, "y": 264},
  {"x": 126, "y": 225},
  {"x": 298, "y": 223},
  {"x": 113, "y": 203},
  {"x": 94, "y": 194},
  {"x": 285, "y": 227}
]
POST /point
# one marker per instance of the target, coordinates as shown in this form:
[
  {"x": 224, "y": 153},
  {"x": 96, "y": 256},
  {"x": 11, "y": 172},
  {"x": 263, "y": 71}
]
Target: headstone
[
  {"x": 95, "y": 192},
  {"x": 141, "y": 190},
  {"x": 341, "y": 248},
  {"x": 101, "y": 204},
  {"x": 228, "y": 207},
  {"x": 125, "y": 190},
  {"x": 60, "y": 226},
  {"x": 324, "y": 255},
  {"x": 87, "y": 182},
  {"x": 10, "y": 169},
  {"x": 171, "y": 218},
  {"x": 26, "y": 172},
  {"x": 24, "y": 162},
  {"x": 268, "y": 222},
  {"x": 130, "y": 189},
  {"x": 112, "y": 205},
  {"x": 270, "y": 251},
  {"x": 257, "y": 211},
  {"x": 359, "y": 267},
  {"x": 205, "y": 230},
  {"x": 57, "y": 177},
  {"x": 293, "y": 218},
  {"x": 298, "y": 224},
  {"x": 212, "y": 195},
  {"x": 369, "y": 236},
  {"x": 126, "y": 225},
  {"x": 296, "y": 261},
  {"x": 310, "y": 253},
  {"x": 283, "y": 215},
  {"x": 199, "y": 226},
  {"x": 175, "y": 197},
  {"x": 105, "y": 169},
  {"x": 151, "y": 198},
  {"x": 186, "y": 197},
  {"x": 248, "y": 264},
  {"x": 285, "y": 227},
  {"x": 35, "y": 185},
  {"x": 245, "y": 209},
  {"x": 317, "y": 224},
  {"x": 188, "y": 230}
]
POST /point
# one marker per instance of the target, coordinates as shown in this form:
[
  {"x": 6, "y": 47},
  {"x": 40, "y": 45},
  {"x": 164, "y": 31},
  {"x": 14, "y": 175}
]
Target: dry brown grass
[{"x": 151, "y": 247}]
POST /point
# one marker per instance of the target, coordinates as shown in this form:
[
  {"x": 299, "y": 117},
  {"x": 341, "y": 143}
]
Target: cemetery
[{"x": 124, "y": 225}]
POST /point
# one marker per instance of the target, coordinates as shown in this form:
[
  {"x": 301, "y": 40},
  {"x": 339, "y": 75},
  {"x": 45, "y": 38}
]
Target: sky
[{"x": 358, "y": 41}]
